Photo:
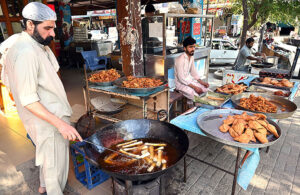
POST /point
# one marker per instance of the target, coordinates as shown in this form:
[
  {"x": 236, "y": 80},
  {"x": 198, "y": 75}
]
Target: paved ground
[{"x": 278, "y": 171}]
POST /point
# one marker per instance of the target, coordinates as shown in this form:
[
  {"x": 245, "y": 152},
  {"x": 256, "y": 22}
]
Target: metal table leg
[
  {"x": 144, "y": 108},
  {"x": 162, "y": 190},
  {"x": 184, "y": 169},
  {"x": 236, "y": 171},
  {"x": 128, "y": 187},
  {"x": 245, "y": 157}
]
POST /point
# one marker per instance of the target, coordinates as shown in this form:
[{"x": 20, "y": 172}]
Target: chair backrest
[{"x": 89, "y": 58}]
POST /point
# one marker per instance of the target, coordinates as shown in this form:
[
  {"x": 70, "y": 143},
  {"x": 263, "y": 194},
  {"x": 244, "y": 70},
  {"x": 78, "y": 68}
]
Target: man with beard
[
  {"x": 242, "y": 60},
  {"x": 187, "y": 79},
  {"x": 40, "y": 97}
]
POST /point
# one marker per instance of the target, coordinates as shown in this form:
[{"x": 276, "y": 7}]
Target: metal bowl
[
  {"x": 105, "y": 84},
  {"x": 209, "y": 122},
  {"x": 290, "y": 107},
  {"x": 119, "y": 84}
]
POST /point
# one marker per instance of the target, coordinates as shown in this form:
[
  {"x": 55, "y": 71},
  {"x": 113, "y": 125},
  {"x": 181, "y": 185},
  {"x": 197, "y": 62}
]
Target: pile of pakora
[
  {"x": 281, "y": 93},
  {"x": 245, "y": 128},
  {"x": 278, "y": 83},
  {"x": 135, "y": 82},
  {"x": 259, "y": 104},
  {"x": 232, "y": 88},
  {"x": 104, "y": 76}
]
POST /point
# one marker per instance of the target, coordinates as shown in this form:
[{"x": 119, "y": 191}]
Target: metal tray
[
  {"x": 108, "y": 106},
  {"x": 290, "y": 108},
  {"x": 212, "y": 104},
  {"x": 257, "y": 81},
  {"x": 215, "y": 89},
  {"x": 105, "y": 84},
  {"x": 119, "y": 84},
  {"x": 210, "y": 121},
  {"x": 262, "y": 65},
  {"x": 269, "y": 90}
]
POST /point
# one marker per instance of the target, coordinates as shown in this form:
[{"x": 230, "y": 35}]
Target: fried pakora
[
  {"x": 104, "y": 76},
  {"x": 259, "y": 103},
  {"x": 279, "y": 83},
  {"x": 134, "y": 82},
  {"x": 232, "y": 88}
]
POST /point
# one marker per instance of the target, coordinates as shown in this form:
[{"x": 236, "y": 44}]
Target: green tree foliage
[{"x": 257, "y": 12}]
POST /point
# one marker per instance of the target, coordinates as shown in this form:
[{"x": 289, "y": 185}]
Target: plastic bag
[{"x": 176, "y": 8}]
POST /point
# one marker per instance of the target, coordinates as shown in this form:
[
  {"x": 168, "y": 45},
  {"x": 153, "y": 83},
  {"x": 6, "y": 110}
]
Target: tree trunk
[{"x": 245, "y": 24}]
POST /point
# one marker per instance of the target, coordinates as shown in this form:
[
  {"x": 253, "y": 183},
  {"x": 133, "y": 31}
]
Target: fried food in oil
[
  {"x": 104, "y": 76},
  {"x": 261, "y": 137},
  {"x": 259, "y": 103},
  {"x": 244, "y": 138},
  {"x": 273, "y": 130},
  {"x": 245, "y": 128},
  {"x": 134, "y": 82},
  {"x": 232, "y": 88},
  {"x": 281, "y": 83},
  {"x": 280, "y": 93},
  {"x": 224, "y": 128}
]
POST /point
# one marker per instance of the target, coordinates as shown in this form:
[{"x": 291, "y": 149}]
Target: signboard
[
  {"x": 187, "y": 28},
  {"x": 196, "y": 29}
]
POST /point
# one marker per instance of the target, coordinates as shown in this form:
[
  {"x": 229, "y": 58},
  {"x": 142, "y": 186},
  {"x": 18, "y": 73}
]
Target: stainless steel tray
[
  {"x": 105, "y": 84},
  {"x": 119, "y": 84},
  {"x": 212, "y": 104},
  {"x": 258, "y": 81},
  {"x": 290, "y": 107},
  {"x": 210, "y": 121}
]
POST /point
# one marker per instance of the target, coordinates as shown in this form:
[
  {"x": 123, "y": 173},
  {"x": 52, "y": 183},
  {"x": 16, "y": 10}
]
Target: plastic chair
[{"x": 92, "y": 61}]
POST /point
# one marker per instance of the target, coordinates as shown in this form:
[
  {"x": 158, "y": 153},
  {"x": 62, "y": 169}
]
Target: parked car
[{"x": 223, "y": 52}]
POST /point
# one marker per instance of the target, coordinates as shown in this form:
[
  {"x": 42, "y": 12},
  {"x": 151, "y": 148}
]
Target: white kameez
[
  {"x": 185, "y": 74},
  {"x": 32, "y": 74}
]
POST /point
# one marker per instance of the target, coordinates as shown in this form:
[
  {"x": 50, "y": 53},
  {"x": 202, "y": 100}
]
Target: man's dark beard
[
  {"x": 36, "y": 36},
  {"x": 249, "y": 46},
  {"x": 190, "y": 53}
]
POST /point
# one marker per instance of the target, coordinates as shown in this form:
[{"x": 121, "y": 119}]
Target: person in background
[
  {"x": 149, "y": 12},
  {"x": 245, "y": 54},
  {"x": 40, "y": 97},
  {"x": 187, "y": 79}
]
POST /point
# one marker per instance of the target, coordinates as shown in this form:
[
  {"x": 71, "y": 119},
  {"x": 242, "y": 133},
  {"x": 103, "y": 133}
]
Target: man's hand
[
  {"x": 68, "y": 132},
  {"x": 198, "y": 89},
  {"x": 205, "y": 84},
  {"x": 259, "y": 60}
]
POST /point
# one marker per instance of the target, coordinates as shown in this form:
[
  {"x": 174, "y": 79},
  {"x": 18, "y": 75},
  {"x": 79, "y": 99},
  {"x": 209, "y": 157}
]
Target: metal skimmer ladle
[{"x": 109, "y": 149}]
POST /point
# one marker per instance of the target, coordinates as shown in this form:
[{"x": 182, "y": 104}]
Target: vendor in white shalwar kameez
[
  {"x": 40, "y": 97},
  {"x": 187, "y": 79}
]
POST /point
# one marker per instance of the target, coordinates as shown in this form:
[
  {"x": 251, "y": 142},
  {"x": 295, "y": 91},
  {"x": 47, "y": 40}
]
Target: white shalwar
[
  {"x": 185, "y": 74},
  {"x": 32, "y": 74}
]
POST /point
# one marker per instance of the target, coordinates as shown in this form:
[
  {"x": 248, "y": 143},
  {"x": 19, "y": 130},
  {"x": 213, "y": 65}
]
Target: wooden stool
[{"x": 176, "y": 96}]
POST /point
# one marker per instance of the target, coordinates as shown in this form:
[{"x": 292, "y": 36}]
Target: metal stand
[{"x": 237, "y": 163}]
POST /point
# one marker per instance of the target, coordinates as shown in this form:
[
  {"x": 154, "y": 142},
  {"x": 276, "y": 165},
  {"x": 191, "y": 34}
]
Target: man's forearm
[{"x": 40, "y": 111}]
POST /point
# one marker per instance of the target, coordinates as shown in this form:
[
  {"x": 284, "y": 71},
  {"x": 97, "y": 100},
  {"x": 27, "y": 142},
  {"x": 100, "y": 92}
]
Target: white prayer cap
[{"x": 38, "y": 12}]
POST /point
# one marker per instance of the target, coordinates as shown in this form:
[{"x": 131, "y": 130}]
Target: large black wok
[{"x": 134, "y": 129}]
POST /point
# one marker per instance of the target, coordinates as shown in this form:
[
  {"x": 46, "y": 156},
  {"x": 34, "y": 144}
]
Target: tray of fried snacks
[
  {"x": 232, "y": 88},
  {"x": 269, "y": 90},
  {"x": 140, "y": 84},
  {"x": 272, "y": 106},
  {"x": 105, "y": 77},
  {"x": 239, "y": 128},
  {"x": 212, "y": 100},
  {"x": 274, "y": 83}
]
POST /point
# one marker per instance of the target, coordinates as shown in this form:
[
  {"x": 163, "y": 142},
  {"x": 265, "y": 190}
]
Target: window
[
  {"x": 228, "y": 46},
  {"x": 215, "y": 45}
]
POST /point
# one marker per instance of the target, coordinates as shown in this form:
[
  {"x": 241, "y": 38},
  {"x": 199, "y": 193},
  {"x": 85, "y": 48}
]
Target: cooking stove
[{"x": 150, "y": 187}]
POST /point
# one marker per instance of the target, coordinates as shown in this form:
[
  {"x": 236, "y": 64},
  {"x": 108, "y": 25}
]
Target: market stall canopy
[{"x": 80, "y": 7}]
